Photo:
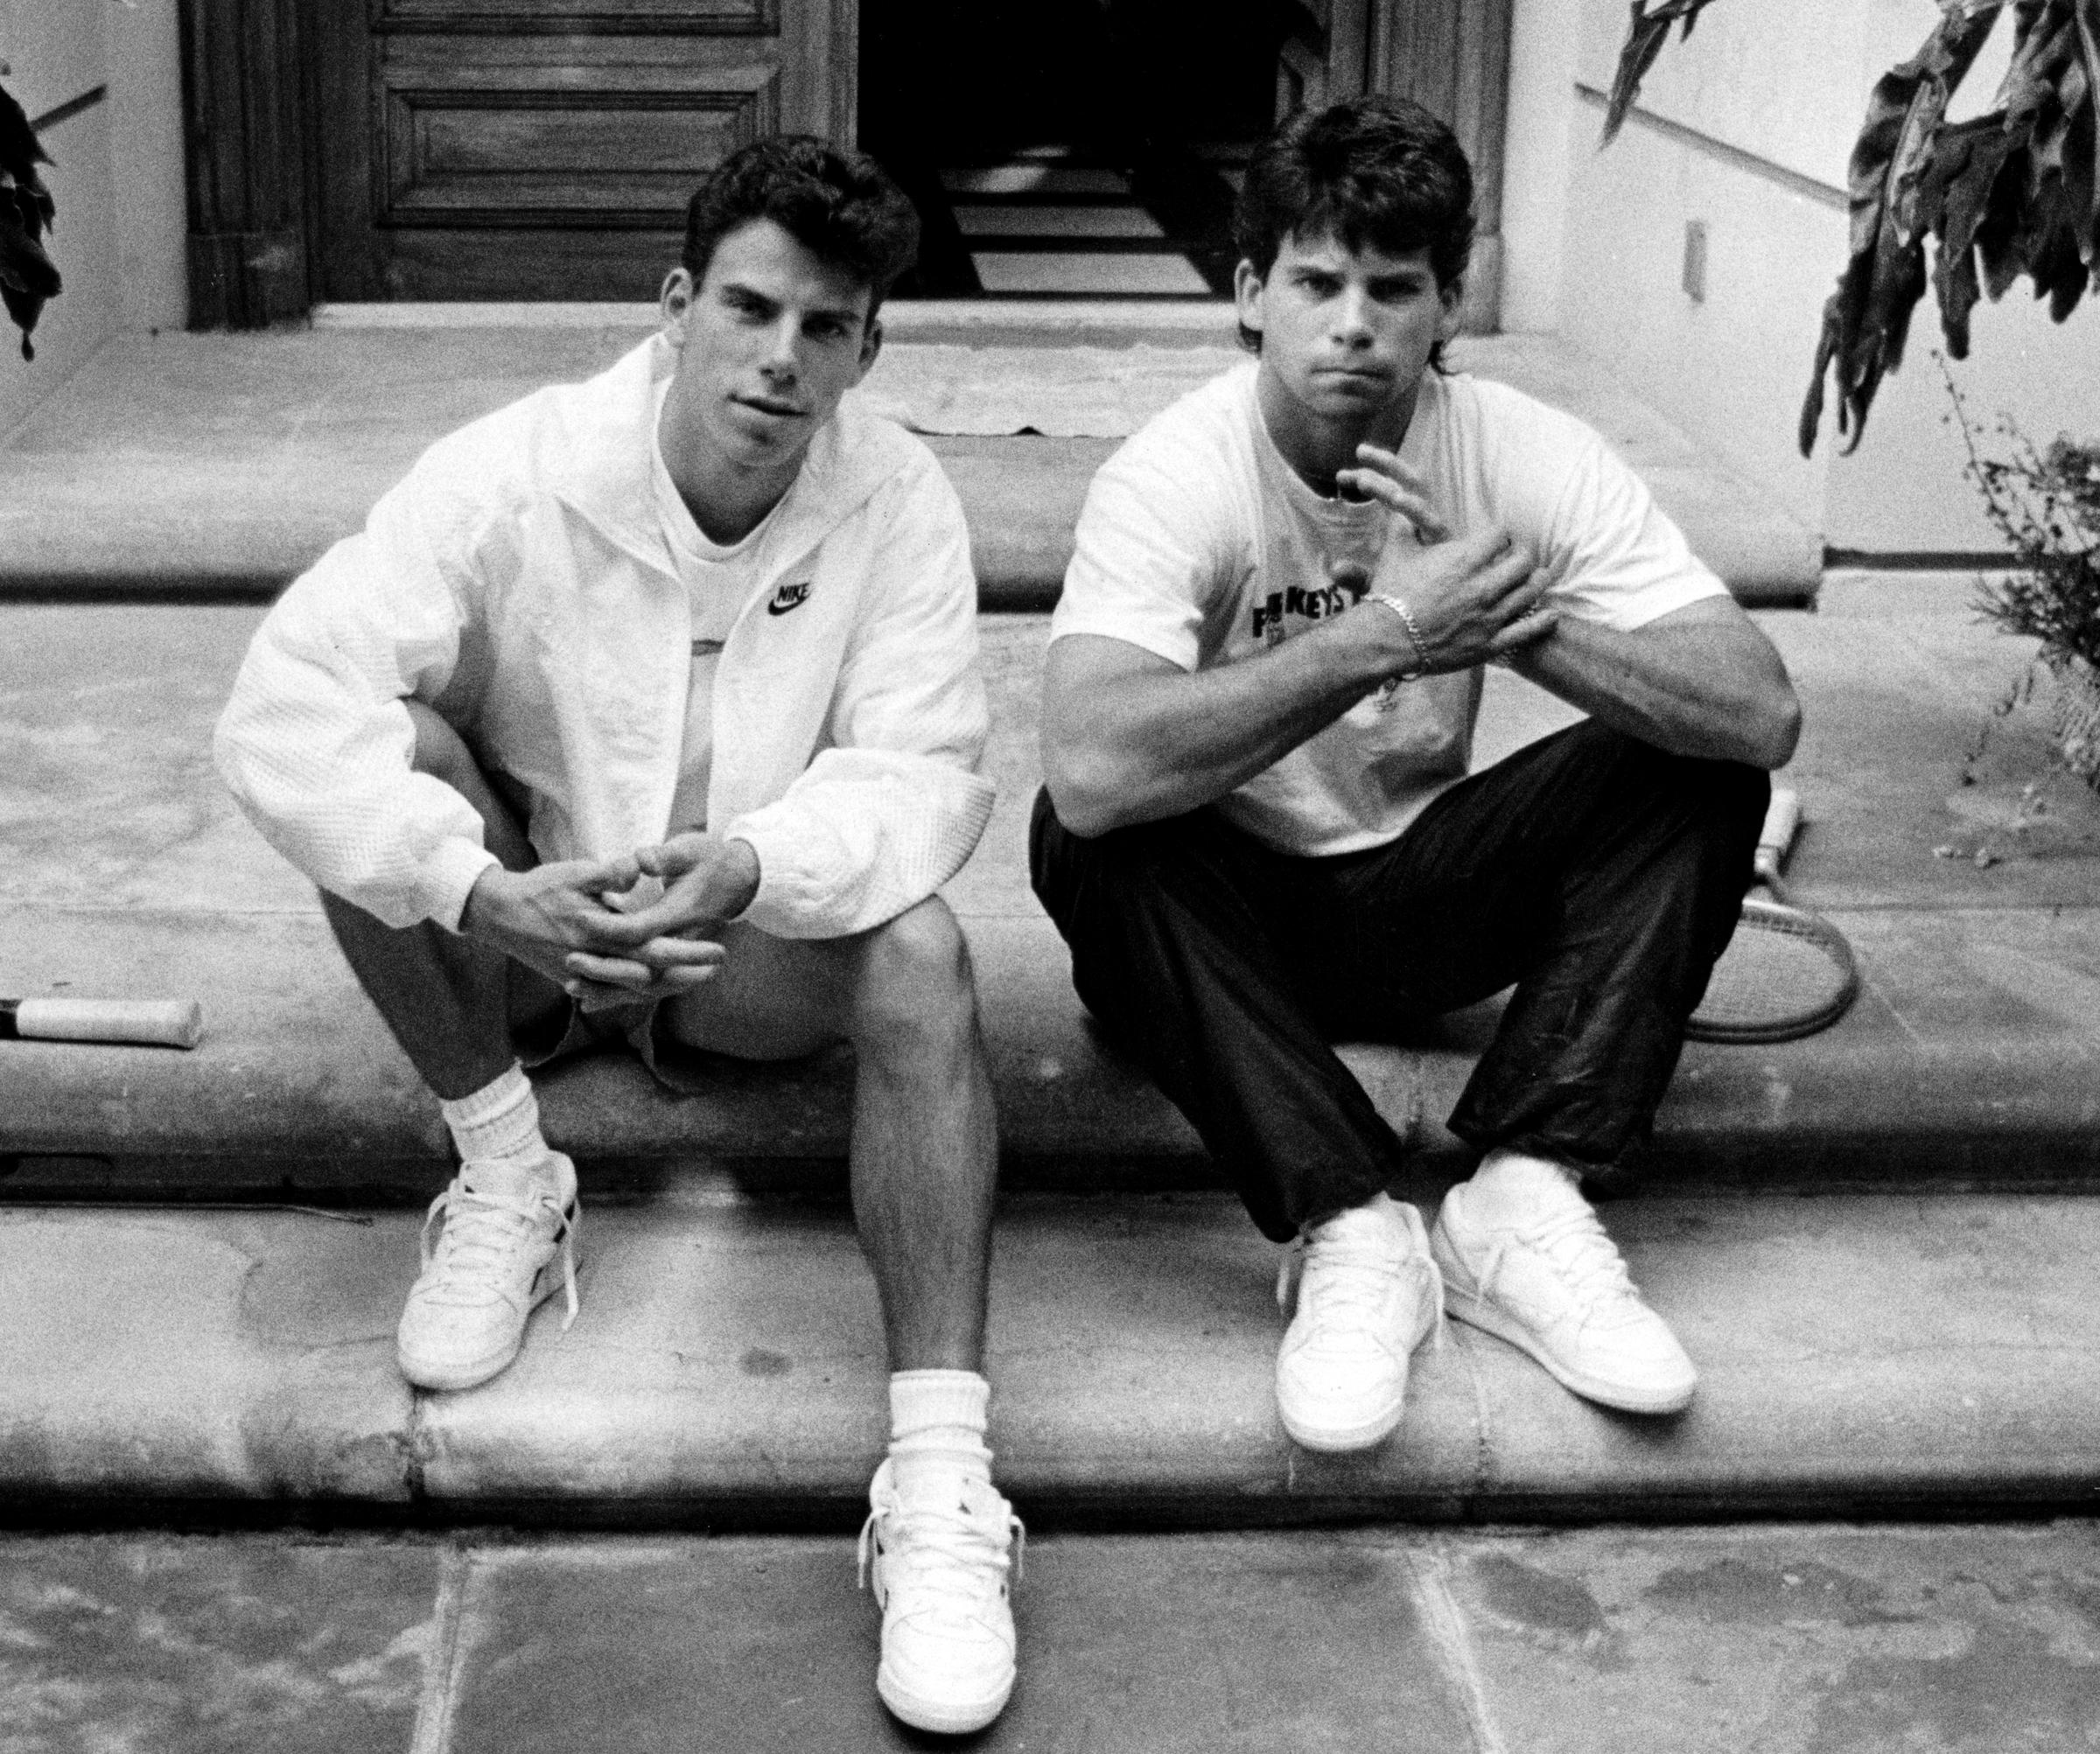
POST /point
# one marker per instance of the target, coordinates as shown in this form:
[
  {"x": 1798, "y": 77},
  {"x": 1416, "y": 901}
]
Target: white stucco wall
[
  {"x": 1541, "y": 144},
  {"x": 144, "y": 50},
  {"x": 117, "y": 178},
  {"x": 53, "y": 52},
  {"x": 1758, "y": 111}
]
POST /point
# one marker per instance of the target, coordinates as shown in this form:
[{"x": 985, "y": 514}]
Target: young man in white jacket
[{"x": 649, "y": 708}]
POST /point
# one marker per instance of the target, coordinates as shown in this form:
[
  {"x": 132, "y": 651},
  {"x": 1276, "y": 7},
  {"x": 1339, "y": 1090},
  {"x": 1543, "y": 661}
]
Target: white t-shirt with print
[
  {"x": 716, "y": 581},
  {"x": 1201, "y": 544}
]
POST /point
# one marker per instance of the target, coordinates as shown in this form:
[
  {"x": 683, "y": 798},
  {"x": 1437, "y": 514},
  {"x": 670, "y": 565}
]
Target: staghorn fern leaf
[
  {"x": 1645, "y": 36},
  {"x": 1867, "y": 319},
  {"x": 1969, "y": 164},
  {"x": 28, "y": 278},
  {"x": 2013, "y": 192}
]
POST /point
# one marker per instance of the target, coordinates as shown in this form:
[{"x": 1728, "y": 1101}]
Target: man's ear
[
  {"x": 1247, "y": 295},
  {"x": 871, "y": 345},
  {"x": 675, "y": 302},
  {"x": 1453, "y": 299}
]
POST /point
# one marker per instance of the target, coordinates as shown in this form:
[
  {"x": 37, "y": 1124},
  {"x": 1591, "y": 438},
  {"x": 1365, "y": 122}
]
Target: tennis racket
[{"x": 1787, "y": 972}]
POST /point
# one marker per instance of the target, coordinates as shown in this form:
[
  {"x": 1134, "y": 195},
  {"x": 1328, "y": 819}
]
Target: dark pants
[{"x": 1599, "y": 876}]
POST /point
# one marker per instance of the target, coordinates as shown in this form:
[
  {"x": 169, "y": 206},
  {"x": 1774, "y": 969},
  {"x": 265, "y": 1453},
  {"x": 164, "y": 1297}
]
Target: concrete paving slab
[
  {"x": 189, "y": 465},
  {"x": 1785, "y": 1640},
  {"x": 160, "y": 1645},
  {"x": 1881, "y": 1352},
  {"x": 1193, "y": 1646},
  {"x": 1895, "y": 709},
  {"x": 234, "y": 1356}
]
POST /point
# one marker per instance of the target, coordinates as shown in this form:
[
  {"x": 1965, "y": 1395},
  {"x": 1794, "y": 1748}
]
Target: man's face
[
  {"x": 769, "y": 341},
  {"x": 1346, "y": 333}
]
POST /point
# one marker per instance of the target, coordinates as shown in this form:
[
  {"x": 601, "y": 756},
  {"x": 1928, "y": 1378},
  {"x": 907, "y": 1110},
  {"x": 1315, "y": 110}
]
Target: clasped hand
[
  {"x": 586, "y": 925},
  {"x": 1473, "y": 600}
]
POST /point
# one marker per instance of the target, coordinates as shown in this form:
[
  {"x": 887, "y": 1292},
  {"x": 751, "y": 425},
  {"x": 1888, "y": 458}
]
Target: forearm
[
  {"x": 861, "y": 835},
  {"x": 1692, "y": 685},
  {"x": 1140, "y": 746}
]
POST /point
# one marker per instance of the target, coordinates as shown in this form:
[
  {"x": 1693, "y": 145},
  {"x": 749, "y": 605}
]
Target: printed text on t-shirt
[{"x": 1309, "y": 603}]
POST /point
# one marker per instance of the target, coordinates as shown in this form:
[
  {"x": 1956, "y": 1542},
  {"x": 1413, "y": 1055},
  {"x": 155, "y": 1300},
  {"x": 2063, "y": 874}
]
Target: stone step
[
  {"x": 218, "y": 467},
  {"x": 1971, "y": 1060},
  {"x": 126, "y": 871},
  {"x": 1859, "y": 1355}
]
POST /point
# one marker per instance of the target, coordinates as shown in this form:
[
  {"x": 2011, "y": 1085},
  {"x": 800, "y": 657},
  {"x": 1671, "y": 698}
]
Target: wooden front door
[{"x": 544, "y": 148}]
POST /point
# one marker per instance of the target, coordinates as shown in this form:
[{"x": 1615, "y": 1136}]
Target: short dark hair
[
  {"x": 1375, "y": 171},
  {"x": 839, "y": 205}
]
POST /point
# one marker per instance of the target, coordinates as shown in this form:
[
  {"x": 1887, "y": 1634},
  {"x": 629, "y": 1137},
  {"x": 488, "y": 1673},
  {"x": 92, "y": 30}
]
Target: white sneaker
[
  {"x": 940, "y": 1577},
  {"x": 1366, "y": 1295},
  {"x": 490, "y": 1266},
  {"x": 1556, "y": 1289}
]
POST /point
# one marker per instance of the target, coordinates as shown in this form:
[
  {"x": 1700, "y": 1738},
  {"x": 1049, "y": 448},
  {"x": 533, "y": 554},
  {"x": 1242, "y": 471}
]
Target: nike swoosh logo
[{"x": 788, "y": 597}]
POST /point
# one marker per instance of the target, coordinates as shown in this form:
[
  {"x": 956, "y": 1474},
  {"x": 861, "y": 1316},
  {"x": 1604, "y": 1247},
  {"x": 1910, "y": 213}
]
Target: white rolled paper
[{"x": 160, "y": 1023}]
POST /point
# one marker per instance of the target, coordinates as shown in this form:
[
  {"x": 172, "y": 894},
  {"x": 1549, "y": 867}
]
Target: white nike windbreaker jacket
[{"x": 517, "y": 580}]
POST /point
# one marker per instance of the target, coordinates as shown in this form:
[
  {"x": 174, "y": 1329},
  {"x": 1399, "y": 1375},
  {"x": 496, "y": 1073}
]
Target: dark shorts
[{"x": 547, "y": 1027}]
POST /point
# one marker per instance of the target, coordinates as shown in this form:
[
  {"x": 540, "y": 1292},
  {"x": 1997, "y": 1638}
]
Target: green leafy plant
[
  {"x": 2011, "y": 193},
  {"x": 2045, "y": 502},
  {"x": 28, "y": 278}
]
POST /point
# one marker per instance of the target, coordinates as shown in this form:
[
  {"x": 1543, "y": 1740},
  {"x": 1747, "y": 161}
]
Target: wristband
[{"x": 1414, "y": 633}]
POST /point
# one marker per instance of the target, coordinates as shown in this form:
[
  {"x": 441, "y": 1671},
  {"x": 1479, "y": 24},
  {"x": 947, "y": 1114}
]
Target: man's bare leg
[
  {"x": 509, "y": 1216},
  {"x": 448, "y": 1000},
  {"x": 939, "y": 1536},
  {"x": 925, "y": 1149}
]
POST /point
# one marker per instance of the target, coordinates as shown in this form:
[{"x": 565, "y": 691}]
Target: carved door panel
[{"x": 544, "y": 148}]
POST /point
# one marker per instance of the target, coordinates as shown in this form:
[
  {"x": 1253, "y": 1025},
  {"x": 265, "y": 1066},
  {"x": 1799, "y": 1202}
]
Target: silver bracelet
[{"x": 1414, "y": 633}]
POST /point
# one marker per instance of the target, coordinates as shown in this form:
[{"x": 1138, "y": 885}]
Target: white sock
[
  {"x": 1379, "y": 1202},
  {"x": 497, "y": 1129},
  {"x": 1512, "y": 1188},
  {"x": 937, "y": 1420}
]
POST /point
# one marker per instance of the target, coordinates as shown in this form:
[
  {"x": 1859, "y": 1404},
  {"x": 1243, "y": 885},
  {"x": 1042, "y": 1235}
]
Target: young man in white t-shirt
[
  {"x": 648, "y": 710},
  {"x": 1259, "y": 831}
]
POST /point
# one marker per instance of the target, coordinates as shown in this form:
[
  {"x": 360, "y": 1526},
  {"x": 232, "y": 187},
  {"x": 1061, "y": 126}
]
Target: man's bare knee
[
  {"x": 915, "y": 981},
  {"x": 440, "y": 750},
  {"x": 443, "y": 754}
]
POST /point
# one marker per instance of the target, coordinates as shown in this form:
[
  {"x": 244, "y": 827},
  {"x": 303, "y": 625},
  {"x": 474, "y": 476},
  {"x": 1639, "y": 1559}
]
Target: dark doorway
[
  {"x": 544, "y": 149},
  {"x": 1075, "y": 148}
]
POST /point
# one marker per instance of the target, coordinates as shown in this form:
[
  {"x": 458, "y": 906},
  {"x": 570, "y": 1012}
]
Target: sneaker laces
[
  {"x": 481, "y": 1233},
  {"x": 1357, "y": 1269},
  {"x": 946, "y": 1550},
  {"x": 1585, "y": 1257}
]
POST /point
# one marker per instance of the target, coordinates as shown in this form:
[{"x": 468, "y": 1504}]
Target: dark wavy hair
[
  {"x": 1382, "y": 171},
  {"x": 839, "y": 205}
]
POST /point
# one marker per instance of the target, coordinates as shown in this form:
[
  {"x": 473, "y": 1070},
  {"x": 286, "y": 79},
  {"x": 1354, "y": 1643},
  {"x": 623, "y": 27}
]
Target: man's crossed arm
[{"x": 1129, "y": 737}]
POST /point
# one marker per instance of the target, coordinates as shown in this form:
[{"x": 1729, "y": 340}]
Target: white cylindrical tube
[
  {"x": 1782, "y": 822},
  {"x": 167, "y": 1022}
]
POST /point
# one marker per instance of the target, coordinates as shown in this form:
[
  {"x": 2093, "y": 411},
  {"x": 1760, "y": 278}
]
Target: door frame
[{"x": 253, "y": 116}]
